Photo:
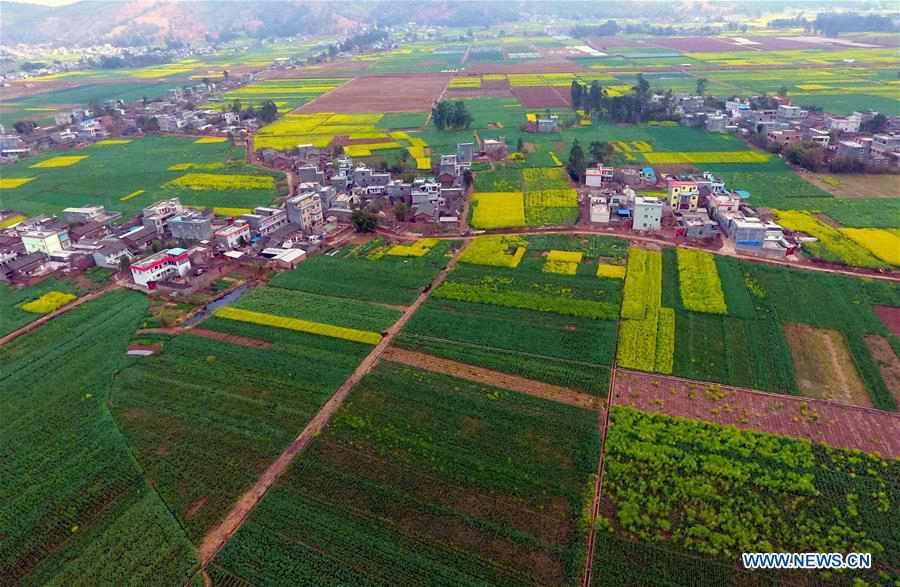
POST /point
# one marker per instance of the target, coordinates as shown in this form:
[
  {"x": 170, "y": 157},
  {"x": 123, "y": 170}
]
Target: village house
[
  {"x": 264, "y": 221},
  {"x": 109, "y": 253},
  {"x": 647, "y": 214},
  {"x": 191, "y": 226},
  {"x": 232, "y": 236},
  {"x": 24, "y": 266},
  {"x": 683, "y": 195},
  {"x": 161, "y": 266},
  {"x": 45, "y": 241},
  {"x": 305, "y": 210},
  {"x": 156, "y": 215}
]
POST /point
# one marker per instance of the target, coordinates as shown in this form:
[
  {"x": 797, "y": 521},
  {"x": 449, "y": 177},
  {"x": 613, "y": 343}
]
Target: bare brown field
[
  {"x": 542, "y": 96},
  {"x": 832, "y": 423},
  {"x": 823, "y": 365},
  {"x": 890, "y": 316},
  {"x": 887, "y": 362},
  {"x": 858, "y": 186},
  {"x": 394, "y": 93}
]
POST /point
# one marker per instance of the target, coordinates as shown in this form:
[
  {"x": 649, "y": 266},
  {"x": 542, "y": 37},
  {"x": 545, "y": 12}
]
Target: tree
[
  {"x": 364, "y": 221},
  {"x": 806, "y": 154},
  {"x": 401, "y": 211},
  {"x": 576, "y": 163},
  {"x": 460, "y": 117},
  {"x": 520, "y": 145},
  {"x": 25, "y": 127},
  {"x": 468, "y": 179},
  {"x": 600, "y": 150},
  {"x": 440, "y": 114},
  {"x": 225, "y": 75},
  {"x": 783, "y": 91},
  {"x": 876, "y": 124},
  {"x": 577, "y": 92},
  {"x": 596, "y": 97},
  {"x": 236, "y": 107},
  {"x": 454, "y": 115},
  {"x": 268, "y": 111},
  {"x": 701, "y": 86}
]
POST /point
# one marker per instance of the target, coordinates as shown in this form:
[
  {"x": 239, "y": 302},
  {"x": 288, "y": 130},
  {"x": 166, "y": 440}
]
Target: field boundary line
[
  {"x": 507, "y": 381},
  {"x": 217, "y": 537}
]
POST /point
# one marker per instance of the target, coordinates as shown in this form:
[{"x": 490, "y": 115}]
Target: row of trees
[
  {"x": 634, "y": 107},
  {"x": 267, "y": 112},
  {"x": 451, "y": 115}
]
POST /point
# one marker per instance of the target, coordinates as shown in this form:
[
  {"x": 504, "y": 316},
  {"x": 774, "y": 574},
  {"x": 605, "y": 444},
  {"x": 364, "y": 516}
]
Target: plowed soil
[
  {"x": 832, "y": 423},
  {"x": 394, "y": 93}
]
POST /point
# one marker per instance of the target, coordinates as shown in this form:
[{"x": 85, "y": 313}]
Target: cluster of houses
[
  {"x": 345, "y": 185},
  {"x": 787, "y": 124},
  {"x": 695, "y": 207},
  {"x": 176, "y": 113}
]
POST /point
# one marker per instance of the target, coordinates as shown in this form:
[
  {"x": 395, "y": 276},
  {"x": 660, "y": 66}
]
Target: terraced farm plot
[
  {"x": 423, "y": 479},
  {"x": 206, "y": 416},
  {"x": 126, "y": 177},
  {"x": 498, "y": 210},
  {"x": 287, "y": 94},
  {"x": 683, "y": 499},
  {"x": 78, "y": 510}
]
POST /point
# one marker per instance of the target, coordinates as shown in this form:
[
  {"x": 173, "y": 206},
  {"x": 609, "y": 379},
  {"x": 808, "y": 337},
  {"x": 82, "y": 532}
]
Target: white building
[
  {"x": 233, "y": 236},
  {"x": 156, "y": 215},
  {"x": 45, "y": 241},
  {"x": 161, "y": 266},
  {"x": 596, "y": 177},
  {"x": 647, "y": 213},
  {"x": 599, "y": 210},
  {"x": 849, "y": 124}
]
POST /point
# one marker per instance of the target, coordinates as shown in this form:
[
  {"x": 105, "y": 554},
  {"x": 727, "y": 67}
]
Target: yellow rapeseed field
[
  {"x": 10, "y": 183},
  {"x": 48, "y": 302},
  {"x": 363, "y": 336},
  {"x": 420, "y": 248},
  {"x": 132, "y": 195},
  {"x": 212, "y": 181},
  {"x": 496, "y": 251},
  {"x": 563, "y": 262},
  {"x": 498, "y": 209},
  {"x": 884, "y": 244},
  {"x": 611, "y": 271},
  {"x": 210, "y": 140},
  {"x": 106, "y": 142},
  {"x": 62, "y": 161},
  {"x": 7, "y": 222},
  {"x": 197, "y": 166},
  {"x": 689, "y": 157}
]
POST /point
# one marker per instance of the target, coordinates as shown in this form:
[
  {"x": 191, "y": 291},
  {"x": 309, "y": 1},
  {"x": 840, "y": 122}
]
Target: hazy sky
[{"x": 48, "y": 2}]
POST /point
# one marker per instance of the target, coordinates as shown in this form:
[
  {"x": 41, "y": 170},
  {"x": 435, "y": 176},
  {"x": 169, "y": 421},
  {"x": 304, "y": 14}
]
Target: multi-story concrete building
[
  {"x": 194, "y": 226},
  {"x": 264, "y": 221},
  {"x": 156, "y": 215},
  {"x": 683, "y": 195},
  {"x": 161, "y": 266},
  {"x": 233, "y": 236},
  {"x": 45, "y": 241},
  {"x": 647, "y": 213},
  {"x": 305, "y": 210}
]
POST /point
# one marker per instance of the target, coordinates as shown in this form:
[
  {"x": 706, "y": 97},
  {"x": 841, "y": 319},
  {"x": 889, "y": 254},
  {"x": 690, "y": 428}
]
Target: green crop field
[
  {"x": 376, "y": 277},
  {"x": 565, "y": 325},
  {"x": 127, "y": 177},
  {"x": 77, "y": 508},
  {"x": 12, "y": 316},
  {"x": 206, "y": 416},
  {"x": 747, "y": 346},
  {"x": 683, "y": 500},
  {"x": 425, "y": 479}
]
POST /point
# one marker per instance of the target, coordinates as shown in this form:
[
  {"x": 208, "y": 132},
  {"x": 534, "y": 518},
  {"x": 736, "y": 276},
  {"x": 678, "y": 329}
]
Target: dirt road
[
  {"x": 546, "y": 391},
  {"x": 217, "y": 537}
]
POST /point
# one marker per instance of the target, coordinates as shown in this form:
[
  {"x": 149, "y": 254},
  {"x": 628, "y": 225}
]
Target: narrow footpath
[{"x": 219, "y": 536}]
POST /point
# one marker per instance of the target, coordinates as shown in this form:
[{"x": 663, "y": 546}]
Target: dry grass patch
[{"x": 823, "y": 365}]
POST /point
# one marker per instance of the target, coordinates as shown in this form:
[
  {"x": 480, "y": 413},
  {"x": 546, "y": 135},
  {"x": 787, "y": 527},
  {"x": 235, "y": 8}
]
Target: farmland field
[
  {"x": 13, "y": 316},
  {"x": 682, "y": 500},
  {"x": 423, "y": 479},
  {"x": 381, "y": 94},
  {"x": 112, "y": 176},
  {"x": 78, "y": 509},
  {"x": 206, "y": 416},
  {"x": 386, "y": 279},
  {"x": 565, "y": 324}
]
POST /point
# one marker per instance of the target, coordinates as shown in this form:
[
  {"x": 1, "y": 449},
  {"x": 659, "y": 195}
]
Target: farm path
[
  {"x": 546, "y": 391},
  {"x": 213, "y": 334},
  {"x": 56, "y": 313},
  {"x": 218, "y": 536}
]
